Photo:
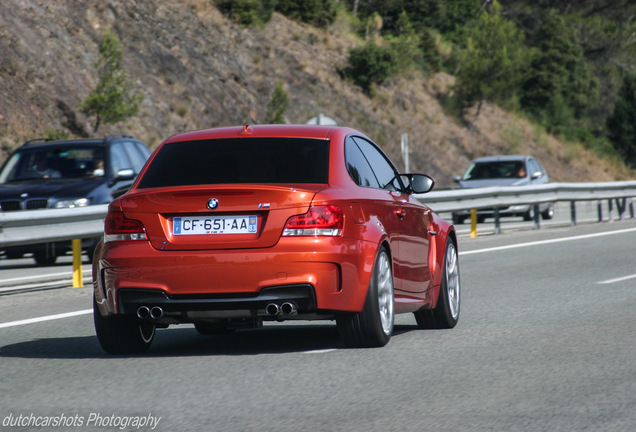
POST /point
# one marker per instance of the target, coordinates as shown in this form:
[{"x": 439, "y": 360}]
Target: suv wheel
[{"x": 46, "y": 256}]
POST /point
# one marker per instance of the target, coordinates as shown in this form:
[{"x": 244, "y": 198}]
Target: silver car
[{"x": 504, "y": 171}]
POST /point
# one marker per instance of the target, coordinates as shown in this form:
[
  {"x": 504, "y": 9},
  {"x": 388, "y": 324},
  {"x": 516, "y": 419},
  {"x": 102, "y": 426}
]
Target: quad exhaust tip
[
  {"x": 288, "y": 308},
  {"x": 156, "y": 312},
  {"x": 272, "y": 309},
  {"x": 143, "y": 312}
]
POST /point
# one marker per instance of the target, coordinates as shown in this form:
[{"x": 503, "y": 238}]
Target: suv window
[
  {"x": 143, "y": 150},
  {"x": 136, "y": 159},
  {"x": 534, "y": 167},
  {"x": 54, "y": 162},
  {"x": 495, "y": 170},
  {"x": 118, "y": 158},
  {"x": 239, "y": 160}
]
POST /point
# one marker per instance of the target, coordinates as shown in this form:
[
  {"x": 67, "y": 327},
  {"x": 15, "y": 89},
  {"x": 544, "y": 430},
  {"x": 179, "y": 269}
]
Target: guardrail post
[
  {"x": 497, "y": 221},
  {"x": 631, "y": 208},
  {"x": 78, "y": 279},
  {"x": 537, "y": 216},
  {"x": 473, "y": 223},
  {"x": 621, "y": 205},
  {"x": 573, "y": 212},
  {"x": 610, "y": 209},
  {"x": 599, "y": 208}
]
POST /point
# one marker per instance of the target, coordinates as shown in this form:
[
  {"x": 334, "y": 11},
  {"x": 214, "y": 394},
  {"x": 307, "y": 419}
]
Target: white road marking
[
  {"x": 58, "y": 283},
  {"x": 45, "y": 318},
  {"x": 320, "y": 351},
  {"x": 544, "y": 242},
  {"x": 44, "y": 276},
  {"x": 619, "y": 279}
]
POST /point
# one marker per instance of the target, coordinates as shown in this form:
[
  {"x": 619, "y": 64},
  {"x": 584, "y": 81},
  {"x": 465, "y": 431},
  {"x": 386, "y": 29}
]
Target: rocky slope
[{"x": 196, "y": 69}]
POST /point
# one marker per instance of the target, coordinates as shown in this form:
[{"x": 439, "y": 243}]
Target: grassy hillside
[{"x": 196, "y": 69}]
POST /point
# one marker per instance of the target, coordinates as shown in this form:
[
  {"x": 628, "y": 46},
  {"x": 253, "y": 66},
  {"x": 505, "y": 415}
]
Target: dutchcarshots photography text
[{"x": 94, "y": 420}]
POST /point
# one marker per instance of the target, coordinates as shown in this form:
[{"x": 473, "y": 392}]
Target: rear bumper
[
  {"x": 319, "y": 275},
  {"x": 187, "y": 308}
]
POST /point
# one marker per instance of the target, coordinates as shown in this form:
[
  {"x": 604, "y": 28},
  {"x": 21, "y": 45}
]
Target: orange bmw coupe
[{"x": 227, "y": 228}]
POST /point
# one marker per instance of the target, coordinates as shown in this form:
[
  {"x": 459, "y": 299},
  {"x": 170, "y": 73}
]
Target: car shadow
[{"x": 185, "y": 342}]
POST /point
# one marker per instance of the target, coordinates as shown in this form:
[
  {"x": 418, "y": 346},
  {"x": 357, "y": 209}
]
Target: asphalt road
[{"x": 545, "y": 342}]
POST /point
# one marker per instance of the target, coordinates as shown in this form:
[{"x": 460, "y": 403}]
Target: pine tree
[
  {"x": 561, "y": 85},
  {"x": 621, "y": 124},
  {"x": 112, "y": 99},
  {"x": 277, "y": 106},
  {"x": 493, "y": 62}
]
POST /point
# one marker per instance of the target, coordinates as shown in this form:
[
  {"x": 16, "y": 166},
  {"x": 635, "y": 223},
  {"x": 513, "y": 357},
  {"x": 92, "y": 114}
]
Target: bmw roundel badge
[{"x": 213, "y": 203}]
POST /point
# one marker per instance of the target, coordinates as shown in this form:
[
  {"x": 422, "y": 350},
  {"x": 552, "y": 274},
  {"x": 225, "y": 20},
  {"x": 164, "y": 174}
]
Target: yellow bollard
[
  {"x": 78, "y": 279},
  {"x": 473, "y": 223}
]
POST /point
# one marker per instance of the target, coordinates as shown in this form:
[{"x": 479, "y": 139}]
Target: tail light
[
  {"x": 318, "y": 221},
  {"x": 118, "y": 228}
]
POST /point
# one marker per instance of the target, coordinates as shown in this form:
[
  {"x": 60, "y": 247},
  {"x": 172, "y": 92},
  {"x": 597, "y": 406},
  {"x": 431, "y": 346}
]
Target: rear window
[{"x": 239, "y": 160}]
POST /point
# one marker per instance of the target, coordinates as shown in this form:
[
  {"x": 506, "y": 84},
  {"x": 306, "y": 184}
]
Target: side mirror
[
  {"x": 456, "y": 178},
  {"x": 420, "y": 183},
  {"x": 124, "y": 175},
  {"x": 536, "y": 175}
]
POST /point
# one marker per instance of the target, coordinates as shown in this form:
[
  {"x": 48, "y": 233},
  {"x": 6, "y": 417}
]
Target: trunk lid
[{"x": 245, "y": 216}]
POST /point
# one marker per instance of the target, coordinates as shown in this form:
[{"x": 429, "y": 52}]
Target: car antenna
[{"x": 247, "y": 130}]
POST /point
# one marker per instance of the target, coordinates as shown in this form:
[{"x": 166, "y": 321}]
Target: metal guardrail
[
  {"x": 505, "y": 196},
  {"x": 40, "y": 226},
  {"x": 49, "y": 225},
  {"x": 620, "y": 193}
]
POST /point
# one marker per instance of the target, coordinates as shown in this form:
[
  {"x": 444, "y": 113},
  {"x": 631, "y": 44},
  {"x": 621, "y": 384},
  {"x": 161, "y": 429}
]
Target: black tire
[
  {"x": 90, "y": 252},
  {"x": 45, "y": 257},
  {"x": 529, "y": 215},
  {"x": 373, "y": 326},
  {"x": 548, "y": 213},
  {"x": 446, "y": 312},
  {"x": 458, "y": 220},
  {"x": 121, "y": 334}
]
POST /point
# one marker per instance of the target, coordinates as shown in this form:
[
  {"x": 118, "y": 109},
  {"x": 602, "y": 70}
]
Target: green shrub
[
  {"x": 371, "y": 65},
  {"x": 621, "y": 125},
  {"x": 319, "y": 13},
  {"x": 248, "y": 12}
]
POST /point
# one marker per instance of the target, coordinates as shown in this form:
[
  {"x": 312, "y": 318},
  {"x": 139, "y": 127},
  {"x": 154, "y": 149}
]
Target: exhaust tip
[
  {"x": 272, "y": 309},
  {"x": 143, "y": 312},
  {"x": 156, "y": 312},
  {"x": 288, "y": 308}
]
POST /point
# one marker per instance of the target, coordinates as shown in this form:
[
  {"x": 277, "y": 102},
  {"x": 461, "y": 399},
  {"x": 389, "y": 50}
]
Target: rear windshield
[{"x": 239, "y": 160}]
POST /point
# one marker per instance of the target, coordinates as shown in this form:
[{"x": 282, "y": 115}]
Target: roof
[
  {"x": 501, "y": 158},
  {"x": 296, "y": 131},
  {"x": 45, "y": 142}
]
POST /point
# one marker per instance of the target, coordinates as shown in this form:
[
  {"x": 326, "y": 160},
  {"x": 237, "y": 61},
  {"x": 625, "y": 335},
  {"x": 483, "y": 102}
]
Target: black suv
[{"x": 44, "y": 173}]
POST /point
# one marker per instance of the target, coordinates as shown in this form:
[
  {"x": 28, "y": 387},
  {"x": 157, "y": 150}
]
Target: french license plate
[{"x": 214, "y": 225}]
